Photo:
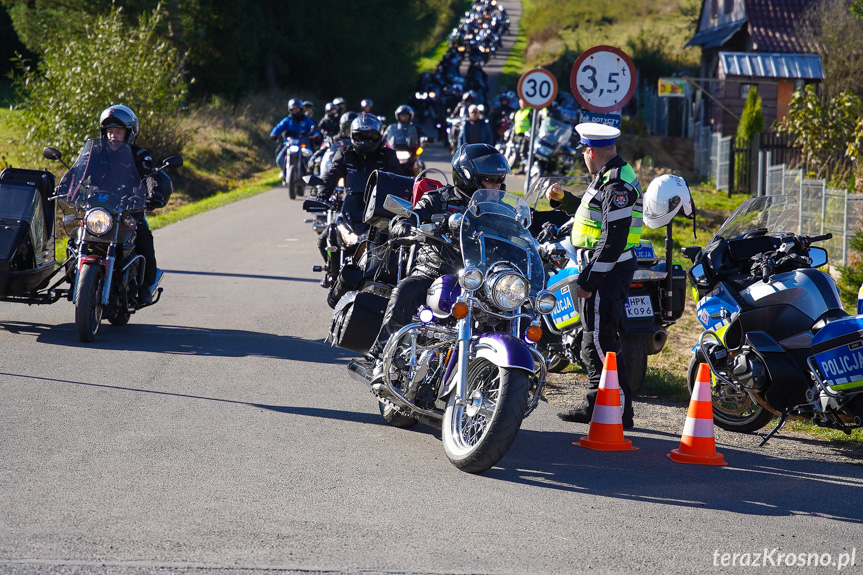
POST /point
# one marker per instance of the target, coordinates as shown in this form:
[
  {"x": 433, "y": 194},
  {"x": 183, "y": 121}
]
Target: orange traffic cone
[
  {"x": 606, "y": 424},
  {"x": 697, "y": 444}
]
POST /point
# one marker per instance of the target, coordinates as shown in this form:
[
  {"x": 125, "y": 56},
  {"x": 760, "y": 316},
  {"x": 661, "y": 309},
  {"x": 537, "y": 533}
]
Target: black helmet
[
  {"x": 345, "y": 123},
  {"x": 474, "y": 162},
  {"x": 467, "y": 97},
  {"x": 331, "y": 109},
  {"x": 366, "y": 133},
  {"x": 308, "y": 104},
  {"x": 366, "y": 102},
  {"x": 404, "y": 109},
  {"x": 295, "y": 103},
  {"x": 340, "y": 102},
  {"x": 121, "y": 116}
]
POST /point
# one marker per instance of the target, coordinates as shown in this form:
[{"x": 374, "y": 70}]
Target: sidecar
[{"x": 27, "y": 221}]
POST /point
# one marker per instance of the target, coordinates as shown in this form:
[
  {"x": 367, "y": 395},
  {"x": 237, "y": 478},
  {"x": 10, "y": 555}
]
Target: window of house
[{"x": 744, "y": 90}]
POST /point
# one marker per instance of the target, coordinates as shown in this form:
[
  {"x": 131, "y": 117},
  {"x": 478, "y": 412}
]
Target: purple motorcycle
[{"x": 466, "y": 365}]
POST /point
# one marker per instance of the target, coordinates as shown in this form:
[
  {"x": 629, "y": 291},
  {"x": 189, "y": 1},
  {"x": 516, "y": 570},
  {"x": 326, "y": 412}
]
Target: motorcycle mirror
[
  {"x": 818, "y": 257},
  {"x": 397, "y": 205},
  {"x": 51, "y": 153},
  {"x": 313, "y": 180},
  {"x": 691, "y": 252},
  {"x": 173, "y": 162}
]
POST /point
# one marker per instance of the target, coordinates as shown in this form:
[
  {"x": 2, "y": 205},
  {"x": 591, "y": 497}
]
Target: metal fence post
[{"x": 845, "y": 231}]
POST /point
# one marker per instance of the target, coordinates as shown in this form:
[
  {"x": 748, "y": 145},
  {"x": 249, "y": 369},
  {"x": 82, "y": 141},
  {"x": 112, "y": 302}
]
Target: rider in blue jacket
[{"x": 296, "y": 125}]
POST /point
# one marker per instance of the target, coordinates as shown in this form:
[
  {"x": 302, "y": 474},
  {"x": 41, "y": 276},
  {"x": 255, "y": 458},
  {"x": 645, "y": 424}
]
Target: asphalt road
[{"x": 217, "y": 433}]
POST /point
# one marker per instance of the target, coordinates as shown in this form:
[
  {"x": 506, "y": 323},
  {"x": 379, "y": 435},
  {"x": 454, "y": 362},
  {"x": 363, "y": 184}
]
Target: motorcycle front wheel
[
  {"x": 732, "y": 410},
  {"x": 292, "y": 183},
  {"x": 88, "y": 306},
  {"x": 476, "y": 436}
]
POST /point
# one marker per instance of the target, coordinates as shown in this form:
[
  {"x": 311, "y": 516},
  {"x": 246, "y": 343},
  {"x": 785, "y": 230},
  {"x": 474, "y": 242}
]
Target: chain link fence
[{"x": 823, "y": 210}]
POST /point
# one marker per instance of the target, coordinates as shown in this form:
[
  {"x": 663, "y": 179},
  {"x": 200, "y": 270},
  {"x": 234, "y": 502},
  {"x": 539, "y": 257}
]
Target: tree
[
  {"x": 82, "y": 73},
  {"x": 752, "y": 118},
  {"x": 832, "y": 30},
  {"x": 828, "y": 131}
]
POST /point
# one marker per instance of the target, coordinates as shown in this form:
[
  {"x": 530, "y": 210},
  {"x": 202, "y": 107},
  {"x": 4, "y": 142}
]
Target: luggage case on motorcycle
[
  {"x": 357, "y": 320},
  {"x": 563, "y": 285},
  {"x": 838, "y": 352},
  {"x": 27, "y": 234},
  {"x": 380, "y": 185}
]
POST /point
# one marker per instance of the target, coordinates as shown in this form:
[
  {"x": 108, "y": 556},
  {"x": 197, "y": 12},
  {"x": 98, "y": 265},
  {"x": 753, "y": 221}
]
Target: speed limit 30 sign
[
  {"x": 538, "y": 88},
  {"x": 603, "y": 79}
]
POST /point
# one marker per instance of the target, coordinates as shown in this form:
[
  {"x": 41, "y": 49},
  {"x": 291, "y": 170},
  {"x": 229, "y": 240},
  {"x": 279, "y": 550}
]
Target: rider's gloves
[
  {"x": 155, "y": 200},
  {"x": 274, "y": 137}
]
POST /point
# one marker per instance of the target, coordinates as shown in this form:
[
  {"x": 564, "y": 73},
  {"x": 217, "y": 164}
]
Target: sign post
[
  {"x": 603, "y": 80},
  {"x": 538, "y": 89}
]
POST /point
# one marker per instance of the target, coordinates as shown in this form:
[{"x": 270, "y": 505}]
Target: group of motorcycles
[
  {"x": 475, "y": 359},
  {"x": 100, "y": 198}
]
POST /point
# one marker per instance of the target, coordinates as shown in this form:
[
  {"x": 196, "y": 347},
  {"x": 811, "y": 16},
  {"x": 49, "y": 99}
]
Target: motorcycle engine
[{"x": 749, "y": 371}]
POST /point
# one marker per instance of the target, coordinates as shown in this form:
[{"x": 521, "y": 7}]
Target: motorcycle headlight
[
  {"x": 507, "y": 290},
  {"x": 349, "y": 238},
  {"x": 402, "y": 155},
  {"x": 294, "y": 149},
  {"x": 306, "y": 151},
  {"x": 98, "y": 221},
  {"x": 470, "y": 278},
  {"x": 545, "y": 302}
]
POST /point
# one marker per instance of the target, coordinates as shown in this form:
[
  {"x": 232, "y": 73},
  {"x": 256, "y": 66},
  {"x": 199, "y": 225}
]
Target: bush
[
  {"x": 752, "y": 118},
  {"x": 81, "y": 74}
]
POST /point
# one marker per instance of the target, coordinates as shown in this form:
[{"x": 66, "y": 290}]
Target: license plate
[{"x": 639, "y": 306}]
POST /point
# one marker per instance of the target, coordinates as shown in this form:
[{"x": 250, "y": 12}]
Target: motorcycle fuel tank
[{"x": 810, "y": 291}]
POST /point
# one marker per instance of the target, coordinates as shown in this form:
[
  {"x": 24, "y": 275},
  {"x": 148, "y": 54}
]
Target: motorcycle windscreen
[
  {"x": 541, "y": 209},
  {"x": 104, "y": 173},
  {"x": 554, "y": 132},
  {"x": 493, "y": 230},
  {"x": 776, "y": 214}
]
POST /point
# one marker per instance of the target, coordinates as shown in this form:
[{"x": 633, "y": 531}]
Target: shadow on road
[
  {"x": 185, "y": 340},
  {"x": 247, "y": 276},
  {"x": 368, "y": 418},
  {"x": 752, "y": 484}
]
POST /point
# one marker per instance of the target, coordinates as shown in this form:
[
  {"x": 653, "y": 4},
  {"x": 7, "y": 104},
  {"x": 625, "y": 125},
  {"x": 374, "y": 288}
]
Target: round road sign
[
  {"x": 538, "y": 88},
  {"x": 603, "y": 79}
]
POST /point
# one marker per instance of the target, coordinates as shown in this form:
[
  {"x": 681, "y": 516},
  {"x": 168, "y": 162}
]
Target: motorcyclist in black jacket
[
  {"x": 119, "y": 123},
  {"x": 355, "y": 163},
  {"x": 329, "y": 124},
  {"x": 474, "y": 166}
]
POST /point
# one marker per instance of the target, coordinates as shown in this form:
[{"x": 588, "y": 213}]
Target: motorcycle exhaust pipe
[{"x": 657, "y": 342}]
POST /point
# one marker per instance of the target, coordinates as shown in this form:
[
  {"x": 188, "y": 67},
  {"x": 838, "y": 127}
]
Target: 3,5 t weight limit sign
[
  {"x": 538, "y": 88},
  {"x": 603, "y": 79}
]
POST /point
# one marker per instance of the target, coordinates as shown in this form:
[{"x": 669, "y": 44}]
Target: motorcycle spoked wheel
[
  {"x": 88, "y": 306},
  {"x": 477, "y": 436},
  {"x": 731, "y": 411}
]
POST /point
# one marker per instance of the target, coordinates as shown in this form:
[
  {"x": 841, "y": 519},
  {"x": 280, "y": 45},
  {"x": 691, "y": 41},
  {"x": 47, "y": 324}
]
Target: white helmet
[{"x": 663, "y": 199}]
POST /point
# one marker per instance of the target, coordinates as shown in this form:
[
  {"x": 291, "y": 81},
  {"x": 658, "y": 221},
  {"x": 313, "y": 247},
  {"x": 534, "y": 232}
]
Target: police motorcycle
[
  {"x": 776, "y": 337},
  {"x": 464, "y": 364},
  {"x": 299, "y": 153},
  {"x": 100, "y": 197},
  {"x": 552, "y": 154},
  {"x": 656, "y": 299}
]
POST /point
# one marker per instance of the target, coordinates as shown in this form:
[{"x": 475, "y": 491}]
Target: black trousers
[
  {"x": 145, "y": 247},
  {"x": 601, "y": 315},
  {"x": 409, "y": 294}
]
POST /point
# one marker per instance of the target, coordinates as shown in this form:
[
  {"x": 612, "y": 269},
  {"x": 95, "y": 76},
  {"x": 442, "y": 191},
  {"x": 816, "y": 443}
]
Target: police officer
[{"x": 606, "y": 228}]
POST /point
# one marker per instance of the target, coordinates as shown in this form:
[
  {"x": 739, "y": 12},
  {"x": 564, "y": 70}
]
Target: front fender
[{"x": 505, "y": 350}]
